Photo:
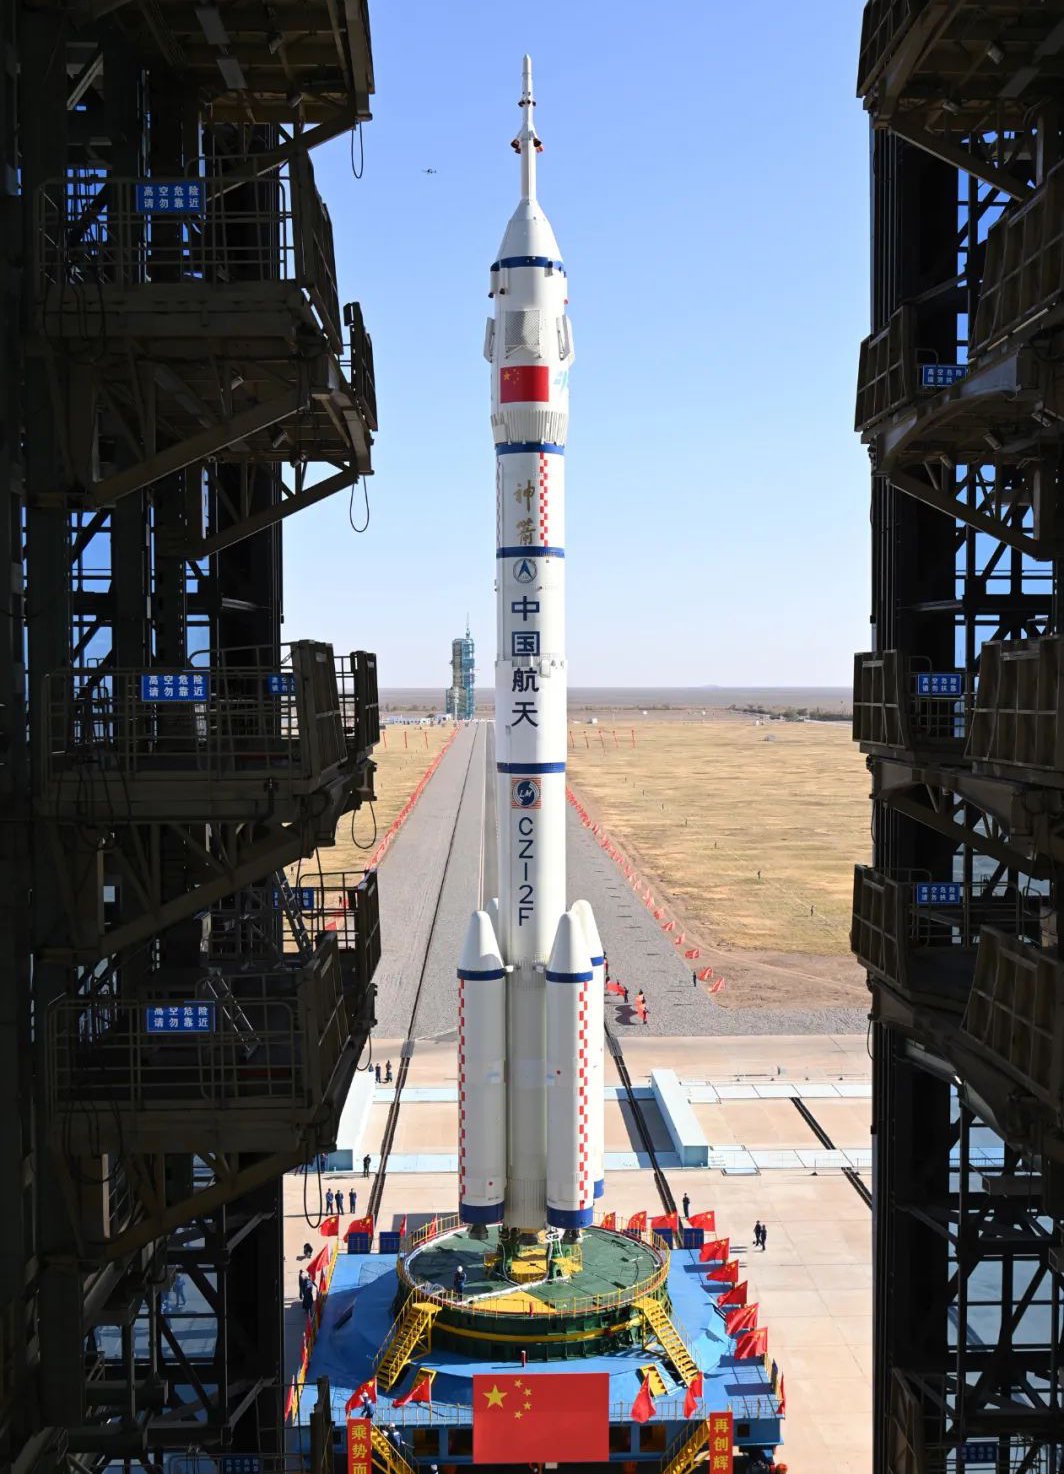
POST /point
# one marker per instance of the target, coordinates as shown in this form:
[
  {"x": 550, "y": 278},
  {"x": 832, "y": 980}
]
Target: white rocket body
[{"x": 553, "y": 994}]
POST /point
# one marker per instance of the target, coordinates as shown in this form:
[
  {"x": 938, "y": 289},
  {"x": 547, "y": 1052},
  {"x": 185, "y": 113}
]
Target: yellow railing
[{"x": 575, "y": 1305}]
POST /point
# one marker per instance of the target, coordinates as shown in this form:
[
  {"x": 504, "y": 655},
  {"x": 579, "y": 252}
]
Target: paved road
[{"x": 422, "y": 940}]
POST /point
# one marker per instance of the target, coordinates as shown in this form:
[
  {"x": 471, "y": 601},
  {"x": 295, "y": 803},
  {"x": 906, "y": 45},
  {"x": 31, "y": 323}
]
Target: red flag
[
  {"x": 638, "y": 1220},
  {"x": 421, "y": 1391},
  {"x": 692, "y": 953},
  {"x": 783, "y": 1398},
  {"x": 751, "y": 1344},
  {"x": 643, "y": 1408},
  {"x": 291, "y": 1402},
  {"x": 736, "y": 1296},
  {"x": 367, "y": 1389},
  {"x": 666, "y": 1220},
  {"x": 524, "y": 382},
  {"x": 430, "y": 1230},
  {"x": 330, "y": 1227},
  {"x": 612, "y": 987},
  {"x": 692, "y": 1395},
  {"x": 360, "y": 1225},
  {"x": 708, "y": 1219},
  {"x": 742, "y": 1318},
  {"x": 609, "y": 1220},
  {"x": 705, "y": 975},
  {"x": 713, "y": 1249},
  {"x": 717, "y": 986},
  {"x": 550, "y": 1417},
  {"x": 316, "y": 1264},
  {"x": 669, "y": 926},
  {"x": 729, "y": 1272},
  {"x": 402, "y": 1227}
]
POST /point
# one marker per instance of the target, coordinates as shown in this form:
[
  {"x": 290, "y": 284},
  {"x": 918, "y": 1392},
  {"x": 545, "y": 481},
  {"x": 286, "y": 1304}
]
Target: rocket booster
[{"x": 550, "y": 1156}]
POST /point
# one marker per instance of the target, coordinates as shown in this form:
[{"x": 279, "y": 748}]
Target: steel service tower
[{"x": 530, "y": 980}]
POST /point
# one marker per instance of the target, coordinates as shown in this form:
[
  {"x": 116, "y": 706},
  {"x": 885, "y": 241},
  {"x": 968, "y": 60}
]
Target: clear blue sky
[{"x": 705, "y": 171}]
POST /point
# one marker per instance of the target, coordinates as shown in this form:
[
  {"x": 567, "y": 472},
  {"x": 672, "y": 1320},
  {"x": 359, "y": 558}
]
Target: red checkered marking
[
  {"x": 544, "y": 487},
  {"x": 583, "y": 1163}
]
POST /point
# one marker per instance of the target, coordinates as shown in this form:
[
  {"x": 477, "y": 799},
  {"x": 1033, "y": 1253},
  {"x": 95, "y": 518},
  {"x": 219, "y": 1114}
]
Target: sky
[{"x": 705, "y": 169}]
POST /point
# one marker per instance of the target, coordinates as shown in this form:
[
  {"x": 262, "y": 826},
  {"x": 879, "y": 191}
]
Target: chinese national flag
[
  {"x": 330, "y": 1227},
  {"x": 610, "y": 1220},
  {"x": 692, "y": 1395},
  {"x": 783, "y": 1398},
  {"x": 666, "y": 1220},
  {"x": 735, "y": 1296},
  {"x": 402, "y": 1227},
  {"x": 643, "y": 1408},
  {"x": 719, "y": 1447},
  {"x": 708, "y": 1220},
  {"x": 524, "y": 382},
  {"x": 543, "y": 1418},
  {"x": 751, "y": 1344},
  {"x": 360, "y": 1225},
  {"x": 421, "y": 1391},
  {"x": 367, "y": 1389},
  {"x": 729, "y": 1272},
  {"x": 638, "y": 1220},
  {"x": 317, "y": 1264},
  {"x": 742, "y": 1318},
  {"x": 713, "y": 1249}
]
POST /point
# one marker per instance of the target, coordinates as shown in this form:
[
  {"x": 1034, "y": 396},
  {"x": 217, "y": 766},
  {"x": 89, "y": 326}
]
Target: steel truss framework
[
  {"x": 960, "y": 706},
  {"x": 166, "y": 377}
]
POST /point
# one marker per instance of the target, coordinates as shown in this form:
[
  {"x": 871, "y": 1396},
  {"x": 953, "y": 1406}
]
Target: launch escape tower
[
  {"x": 460, "y": 698},
  {"x": 177, "y": 1029},
  {"x": 959, "y": 705}
]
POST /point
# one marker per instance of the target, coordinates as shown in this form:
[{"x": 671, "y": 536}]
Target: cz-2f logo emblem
[{"x": 524, "y": 794}]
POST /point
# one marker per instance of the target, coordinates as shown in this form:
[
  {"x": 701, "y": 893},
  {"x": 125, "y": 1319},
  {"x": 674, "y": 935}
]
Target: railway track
[
  {"x": 377, "y": 1190},
  {"x": 854, "y": 1178}
]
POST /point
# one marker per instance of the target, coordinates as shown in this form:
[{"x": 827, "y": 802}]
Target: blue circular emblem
[
  {"x": 526, "y": 793},
  {"x": 525, "y": 570}
]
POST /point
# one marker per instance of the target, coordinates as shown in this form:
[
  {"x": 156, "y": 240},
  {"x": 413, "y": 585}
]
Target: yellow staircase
[
  {"x": 655, "y": 1380},
  {"x": 687, "y": 1455},
  {"x": 412, "y": 1332},
  {"x": 657, "y": 1318},
  {"x": 386, "y": 1456}
]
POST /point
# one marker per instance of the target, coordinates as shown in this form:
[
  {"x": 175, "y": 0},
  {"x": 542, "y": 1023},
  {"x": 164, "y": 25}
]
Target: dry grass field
[{"x": 702, "y": 807}]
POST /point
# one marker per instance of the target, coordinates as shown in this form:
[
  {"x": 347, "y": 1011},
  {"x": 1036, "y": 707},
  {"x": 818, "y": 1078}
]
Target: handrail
[{"x": 440, "y": 1227}]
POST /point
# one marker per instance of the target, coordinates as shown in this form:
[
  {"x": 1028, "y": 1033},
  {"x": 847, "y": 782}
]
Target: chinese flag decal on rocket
[{"x": 523, "y": 382}]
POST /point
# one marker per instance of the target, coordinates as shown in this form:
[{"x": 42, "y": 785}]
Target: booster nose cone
[
  {"x": 586, "y": 917},
  {"x": 480, "y": 951},
  {"x": 570, "y": 961}
]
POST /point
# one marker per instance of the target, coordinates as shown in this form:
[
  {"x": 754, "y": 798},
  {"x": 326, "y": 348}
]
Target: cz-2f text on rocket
[{"x": 530, "y": 981}]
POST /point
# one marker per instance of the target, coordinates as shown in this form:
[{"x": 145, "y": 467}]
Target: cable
[
  {"x": 373, "y": 841},
  {"x": 361, "y": 151},
  {"x": 351, "y": 506}
]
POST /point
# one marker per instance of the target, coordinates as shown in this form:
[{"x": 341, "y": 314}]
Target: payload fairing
[{"x": 530, "y": 979}]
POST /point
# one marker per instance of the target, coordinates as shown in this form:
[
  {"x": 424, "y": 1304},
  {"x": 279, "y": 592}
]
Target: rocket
[{"x": 530, "y": 978}]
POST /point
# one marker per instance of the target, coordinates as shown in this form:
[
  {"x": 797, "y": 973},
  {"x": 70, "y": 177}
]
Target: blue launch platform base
[{"x": 359, "y": 1314}]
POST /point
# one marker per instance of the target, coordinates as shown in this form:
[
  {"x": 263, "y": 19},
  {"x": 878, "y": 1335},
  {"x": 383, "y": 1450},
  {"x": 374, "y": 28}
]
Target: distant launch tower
[{"x": 460, "y": 698}]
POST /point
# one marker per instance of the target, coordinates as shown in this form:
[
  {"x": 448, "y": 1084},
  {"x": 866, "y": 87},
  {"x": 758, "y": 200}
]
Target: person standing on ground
[
  {"x": 694, "y": 979},
  {"x": 459, "y": 1280},
  {"x": 387, "y": 1072},
  {"x": 302, "y": 1284},
  {"x": 329, "y": 1201},
  {"x": 179, "y": 1291},
  {"x": 686, "y": 1206},
  {"x": 365, "y": 1165},
  {"x": 377, "y": 1074},
  {"x": 757, "y": 1234},
  {"x": 764, "y": 1237}
]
